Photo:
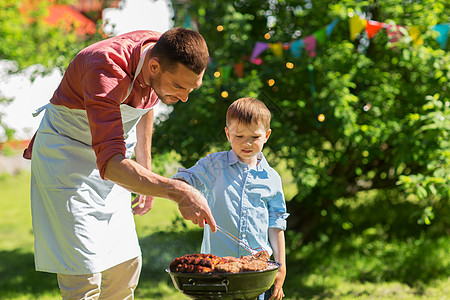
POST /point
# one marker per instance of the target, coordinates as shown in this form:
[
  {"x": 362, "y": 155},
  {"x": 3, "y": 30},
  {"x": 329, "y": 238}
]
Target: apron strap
[
  {"x": 27, "y": 152},
  {"x": 138, "y": 70}
]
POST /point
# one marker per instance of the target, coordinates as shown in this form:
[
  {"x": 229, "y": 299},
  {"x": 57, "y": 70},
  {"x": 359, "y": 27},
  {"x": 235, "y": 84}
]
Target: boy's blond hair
[{"x": 249, "y": 111}]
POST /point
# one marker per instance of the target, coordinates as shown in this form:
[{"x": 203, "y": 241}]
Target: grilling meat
[
  {"x": 194, "y": 263},
  {"x": 262, "y": 255},
  {"x": 208, "y": 263}
]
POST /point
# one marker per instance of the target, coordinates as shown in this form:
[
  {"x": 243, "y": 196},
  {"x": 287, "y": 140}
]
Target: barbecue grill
[{"x": 242, "y": 285}]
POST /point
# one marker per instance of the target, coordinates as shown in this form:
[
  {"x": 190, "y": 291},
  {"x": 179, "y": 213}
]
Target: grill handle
[{"x": 192, "y": 286}]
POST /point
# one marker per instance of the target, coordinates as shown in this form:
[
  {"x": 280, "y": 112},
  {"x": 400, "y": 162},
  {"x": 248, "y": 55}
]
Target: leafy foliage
[
  {"x": 386, "y": 105},
  {"x": 27, "y": 39}
]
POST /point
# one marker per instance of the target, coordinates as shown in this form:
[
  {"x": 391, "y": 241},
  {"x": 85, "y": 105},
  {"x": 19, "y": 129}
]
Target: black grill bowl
[{"x": 243, "y": 285}]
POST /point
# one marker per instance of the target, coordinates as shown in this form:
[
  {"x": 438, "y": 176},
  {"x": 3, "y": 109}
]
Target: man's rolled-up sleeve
[{"x": 105, "y": 87}]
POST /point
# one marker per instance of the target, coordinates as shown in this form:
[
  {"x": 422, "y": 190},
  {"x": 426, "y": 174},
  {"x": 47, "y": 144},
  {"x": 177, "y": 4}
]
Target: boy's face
[{"x": 247, "y": 140}]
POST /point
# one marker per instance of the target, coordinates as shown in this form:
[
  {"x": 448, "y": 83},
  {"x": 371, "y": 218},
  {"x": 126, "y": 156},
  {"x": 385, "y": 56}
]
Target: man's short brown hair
[
  {"x": 181, "y": 45},
  {"x": 249, "y": 111}
]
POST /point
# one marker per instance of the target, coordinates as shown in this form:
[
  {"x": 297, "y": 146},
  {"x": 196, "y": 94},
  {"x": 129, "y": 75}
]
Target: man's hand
[
  {"x": 194, "y": 207},
  {"x": 142, "y": 204}
]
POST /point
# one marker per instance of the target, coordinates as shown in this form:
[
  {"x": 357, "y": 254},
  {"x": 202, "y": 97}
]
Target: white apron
[{"x": 82, "y": 224}]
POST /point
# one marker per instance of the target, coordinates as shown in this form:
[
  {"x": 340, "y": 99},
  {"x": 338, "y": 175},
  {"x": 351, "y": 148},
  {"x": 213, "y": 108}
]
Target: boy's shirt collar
[{"x": 233, "y": 158}]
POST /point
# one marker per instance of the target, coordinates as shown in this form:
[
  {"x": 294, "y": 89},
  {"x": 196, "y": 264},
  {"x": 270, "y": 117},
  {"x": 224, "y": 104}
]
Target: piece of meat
[
  {"x": 262, "y": 255},
  {"x": 194, "y": 263},
  {"x": 253, "y": 265},
  {"x": 228, "y": 267},
  {"x": 208, "y": 263}
]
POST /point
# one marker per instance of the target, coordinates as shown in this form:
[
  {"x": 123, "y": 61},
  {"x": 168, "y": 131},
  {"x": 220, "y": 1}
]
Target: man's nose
[{"x": 184, "y": 98}]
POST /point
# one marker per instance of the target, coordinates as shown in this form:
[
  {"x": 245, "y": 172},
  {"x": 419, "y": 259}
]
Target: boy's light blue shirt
[{"x": 244, "y": 201}]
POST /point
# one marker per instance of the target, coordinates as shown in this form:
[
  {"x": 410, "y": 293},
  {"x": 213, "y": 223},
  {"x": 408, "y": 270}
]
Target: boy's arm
[
  {"x": 201, "y": 175},
  {"x": 276, "y": 239}
]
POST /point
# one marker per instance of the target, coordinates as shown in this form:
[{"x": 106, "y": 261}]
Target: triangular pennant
[
  {"x": 226, "y": 70},
  {"x": 277, "y": 49},
  {"x": 443, "y": 30},
  {"x": 310, "y": 45},
  {"x": 296, "y": 48},
  {"x": 258, "y": 49},
  {"x": 187, "y": 21},
  {"x": 239, "y": 69},
  {"x": 394, "y": 32},
  {"x": 321, "y": 35},
  {"x": 372, "y": 28},
  {"x": 356, "y": 26},
  {"x": 415, "y": 33},
  {"x": 330, "y": 27}
]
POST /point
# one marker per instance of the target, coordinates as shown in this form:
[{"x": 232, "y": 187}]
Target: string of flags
[{"x": 357, "y": 25}]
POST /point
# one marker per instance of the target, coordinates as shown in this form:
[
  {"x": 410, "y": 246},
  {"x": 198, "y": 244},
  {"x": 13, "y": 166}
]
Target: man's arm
[
  {"x": 276, "y": 239},
  {"x": 144, "y": 131},
  {"x": 138, "y": 179}
]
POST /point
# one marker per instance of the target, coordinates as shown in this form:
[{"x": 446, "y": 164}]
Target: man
[{"x": 81, "y": 171}]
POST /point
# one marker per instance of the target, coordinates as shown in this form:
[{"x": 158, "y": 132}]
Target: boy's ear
[
  {"x": 268, "y": 132},
  {"x": 227, "y": 133}
]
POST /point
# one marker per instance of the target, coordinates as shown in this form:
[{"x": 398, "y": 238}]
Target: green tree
[
  {"x": 386, "y": 106},
  {"x": 27, "y": 40}
]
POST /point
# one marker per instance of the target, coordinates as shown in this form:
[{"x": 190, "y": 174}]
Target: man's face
[{"x": 174, "y": 87}]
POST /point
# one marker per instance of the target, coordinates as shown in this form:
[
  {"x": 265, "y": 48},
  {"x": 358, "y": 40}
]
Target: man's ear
[{"x": 155, "y": 66}]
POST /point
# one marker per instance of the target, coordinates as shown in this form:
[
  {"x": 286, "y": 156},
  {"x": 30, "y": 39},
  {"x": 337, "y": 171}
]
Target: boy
[{"x": 244, "y": 193}]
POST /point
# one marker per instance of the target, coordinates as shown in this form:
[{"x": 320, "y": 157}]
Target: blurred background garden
[{"x": 360, "y": 99}]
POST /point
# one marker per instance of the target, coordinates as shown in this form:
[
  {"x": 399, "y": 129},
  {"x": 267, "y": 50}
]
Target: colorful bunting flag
[
  {"x": 296, "y": 48},
  {"x": 226, "y": 70},
  {"x": 372, "y": 28},
  {"x": 356, "y": 26},
  {"x": 310, "y": 45},
  {"x": 321, "y": 35},
  {"x": 394, "y": 32},
  {"x": 330, "y": 27},
  {"x": 415, "y": 32},
  {"x": 259, "y": 48},
  {"x": 277, "y": 49},
  {"x": 239, "y": 69},
  {"x": 443, "y": 30}
]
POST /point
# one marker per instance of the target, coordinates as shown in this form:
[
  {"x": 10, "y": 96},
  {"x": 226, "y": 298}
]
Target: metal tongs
[{"x": 256, "y": 253}]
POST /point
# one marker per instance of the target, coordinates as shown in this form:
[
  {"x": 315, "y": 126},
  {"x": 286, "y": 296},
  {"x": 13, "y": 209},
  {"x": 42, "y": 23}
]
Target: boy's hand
[
  {"x": 278, "y": 293},
  {"x": 142, "y": 204}
]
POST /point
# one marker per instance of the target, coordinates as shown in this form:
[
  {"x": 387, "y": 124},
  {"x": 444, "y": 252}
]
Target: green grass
[{"x": 363, "y": 266}]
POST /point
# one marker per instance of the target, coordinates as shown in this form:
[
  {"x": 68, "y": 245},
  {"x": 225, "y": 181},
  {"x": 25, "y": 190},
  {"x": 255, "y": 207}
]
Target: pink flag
[
  {"x": 310, "y": 43},
  {"x": 394, "y": 32}
]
